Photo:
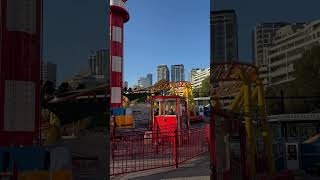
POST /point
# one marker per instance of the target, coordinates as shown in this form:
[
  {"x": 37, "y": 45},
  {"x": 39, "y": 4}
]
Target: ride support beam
[
  {"x": 254, "y": 96},
  {"x": 236, "y": 104},
  {"x": 251, "y": 141},
  {"x": 265, "y": 128}
]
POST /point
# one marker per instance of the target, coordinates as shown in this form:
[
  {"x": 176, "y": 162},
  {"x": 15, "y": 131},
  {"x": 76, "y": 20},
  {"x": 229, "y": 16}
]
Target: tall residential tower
[
  {"x": 163, "y": 73},
  {"x": 177, "y": 73},
  {"x": 224, "y": 36}
]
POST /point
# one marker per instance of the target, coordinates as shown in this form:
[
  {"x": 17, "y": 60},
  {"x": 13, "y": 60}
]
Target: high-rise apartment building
[
  {"x": 145, "y": 82},
  {"x": 224, "y": 36},
  {"x": 163, "y": 73},
  {"x": 125, "y": 84},
  {"x": 197, "y": 76},
  {"x": 263, "y": 35},
  {"x": 262, "y": 38},
  {"x": 288, "y": 46},
  {"x": 177, "y": 73},
  {"x": 49, "y": 72}
]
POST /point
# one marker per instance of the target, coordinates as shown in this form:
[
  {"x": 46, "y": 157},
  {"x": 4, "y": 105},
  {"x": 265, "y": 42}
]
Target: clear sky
[
  {"x": 71, "y": 29},
  {"x": 166, "y": 32},
  {"x": 159, "y": 31},
  {"x": 251, "y": 12}
]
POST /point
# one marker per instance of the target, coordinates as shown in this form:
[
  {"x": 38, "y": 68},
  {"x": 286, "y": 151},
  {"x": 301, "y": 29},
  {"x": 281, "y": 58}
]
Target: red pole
[
  {"x": 213, "y": 174},
  {"x": 175, "y": 148},
  {"x": 14, "y": 172}
]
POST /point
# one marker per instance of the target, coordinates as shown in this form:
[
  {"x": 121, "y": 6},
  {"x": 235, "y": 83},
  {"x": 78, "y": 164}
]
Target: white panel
[
  {"x": 21, "y": 15},
  {"x": 119, "y": 3},
  {"x": 116, "y": 64},
  {"x": 117, "y": 34},
  {"x": 116, "y": 95},
  {"x": 19, "y": 106}
]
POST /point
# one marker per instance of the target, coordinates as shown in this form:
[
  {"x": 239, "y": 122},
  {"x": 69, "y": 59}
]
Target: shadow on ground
[{"x": 197, "y": 169}]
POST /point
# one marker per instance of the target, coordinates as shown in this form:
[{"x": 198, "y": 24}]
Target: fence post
[
  {"x": 157, "y": 140},
  {"x": 176, "y": 148},
  {"x": 14, "y": 172}
]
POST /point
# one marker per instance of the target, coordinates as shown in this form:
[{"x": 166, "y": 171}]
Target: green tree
[
  {"x": 205, "y": 87},
  {"x": 48, "y": 88},
  {"x": 204, "y": 90},
  {"x": 65, "y": 87},
  {"x": 162, "y": 81},
  {"x": 306, "y": 83},
  {"x": 196, "y": 92}
]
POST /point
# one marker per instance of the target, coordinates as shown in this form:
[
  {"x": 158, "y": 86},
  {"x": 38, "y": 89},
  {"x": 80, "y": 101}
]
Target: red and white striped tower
[
  {"x": 118, "y": 16},
  {"x": 20, "y": 59}
]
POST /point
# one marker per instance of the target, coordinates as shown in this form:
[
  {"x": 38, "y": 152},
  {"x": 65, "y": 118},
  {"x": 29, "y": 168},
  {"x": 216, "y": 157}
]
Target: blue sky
[
  {"x": 251, "y": 12},
  {"x": 159, "y": 31},
  {"x": 71, "y": 29},
  {"x": 166, "y": 32}
]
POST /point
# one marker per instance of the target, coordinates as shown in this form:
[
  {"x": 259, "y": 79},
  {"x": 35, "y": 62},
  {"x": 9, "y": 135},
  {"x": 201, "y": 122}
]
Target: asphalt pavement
[{"x": 194, "y": 169}]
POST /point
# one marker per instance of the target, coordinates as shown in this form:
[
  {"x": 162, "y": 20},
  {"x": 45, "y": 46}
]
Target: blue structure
[
  {"x": 310, "y": 156},
  {"x": 118, "y": 112},
  {"x": 34, "y": 158}
]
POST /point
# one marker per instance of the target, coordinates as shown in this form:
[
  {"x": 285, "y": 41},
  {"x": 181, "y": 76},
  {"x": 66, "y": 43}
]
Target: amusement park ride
[
  {"x": 241, "y": 80},
  {"x": 182, "y": 89}
]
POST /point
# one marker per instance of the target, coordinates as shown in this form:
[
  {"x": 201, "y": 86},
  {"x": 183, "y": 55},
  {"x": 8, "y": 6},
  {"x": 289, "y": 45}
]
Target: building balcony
[
  {"x": 295, "y": 57},
  {"x": 294, "y": 117},
  {"x": 278, "y": 63},
  {"x": 264, "y": 75},
  {"x": 263, "y": 68},
  {"x": 281, "y": 81},
  {"x": 279, "y": 72}
]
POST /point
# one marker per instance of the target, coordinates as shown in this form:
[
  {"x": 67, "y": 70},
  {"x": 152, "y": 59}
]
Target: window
[{"x": 292, "y": 132}]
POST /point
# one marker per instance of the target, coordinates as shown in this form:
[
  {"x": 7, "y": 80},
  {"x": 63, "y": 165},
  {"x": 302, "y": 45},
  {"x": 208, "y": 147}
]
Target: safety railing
[{"x": 155, "y": 150}]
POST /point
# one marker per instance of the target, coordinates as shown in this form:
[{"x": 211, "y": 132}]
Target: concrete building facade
[
  {"x": 177, "y": 73},
  {"x": 262, "y": 38},
  {"x": 197, "y": 76},
  {"x": 125, "y": 84},
  {"x": 289, "y": 44},
  {"x": 145, "y": 82},
  {"x": 163, "y": 73},
  {"x": 224, "y": 36},
  {"x": 49, "y": 72}
]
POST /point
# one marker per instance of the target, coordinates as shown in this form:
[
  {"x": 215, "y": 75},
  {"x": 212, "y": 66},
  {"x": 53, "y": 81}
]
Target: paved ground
[
  {"x": 91, "y": 144},
  {"x": 195, "y": 169},
  {"x": 301, "y": 175}
]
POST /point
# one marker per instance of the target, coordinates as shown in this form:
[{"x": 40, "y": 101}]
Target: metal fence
[{"x": 136, "y": 152}]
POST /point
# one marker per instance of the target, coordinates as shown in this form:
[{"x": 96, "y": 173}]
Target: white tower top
[{"x": 119, "y": 3}]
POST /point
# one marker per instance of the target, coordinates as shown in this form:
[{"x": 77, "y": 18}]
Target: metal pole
[
  {"x": 282, "y": 101},
  {"x": 251, "y": 143},
  {"x": 265, "y": 128},
  {"x": 176, "y": 148},
  {"x": 213, "y": 175}
]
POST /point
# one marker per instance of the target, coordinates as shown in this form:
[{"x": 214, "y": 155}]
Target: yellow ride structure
[
  {"x": 242, "y": 81},
  {"x": 182, "y": 88}
]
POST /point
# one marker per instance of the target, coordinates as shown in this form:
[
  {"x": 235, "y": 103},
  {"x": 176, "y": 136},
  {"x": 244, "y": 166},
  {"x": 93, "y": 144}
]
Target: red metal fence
[{"x": 137, "y": 152}]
